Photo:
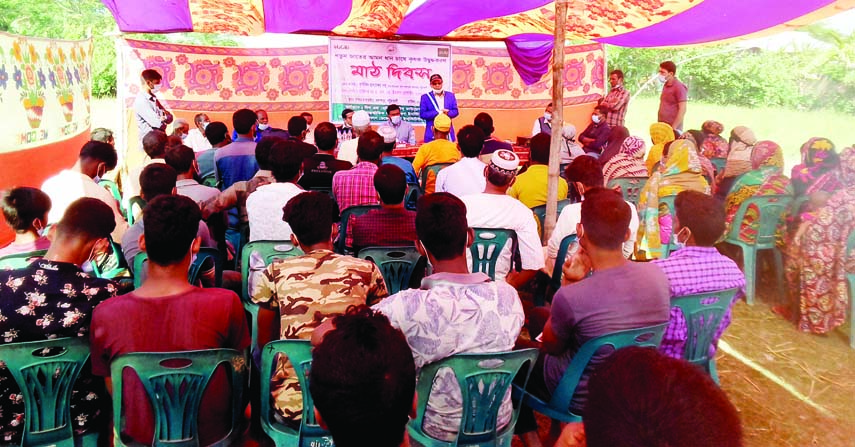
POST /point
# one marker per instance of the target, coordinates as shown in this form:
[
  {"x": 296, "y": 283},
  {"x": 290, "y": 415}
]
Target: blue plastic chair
[
  {"x": 397, "y": 264},
  {"x": 310, "y": 433},
  {"x": 703, "y": 313},
  {"x": 353, "y": 211},
  {"x": 20, "y": 260},
  {"x": 771, "y": 210},
  {"x": 484, "y": 379},
  {"x": 411, "y": 199},
  {"x": 719, "y": 164},
  {"x": 850, "y": 278},
  {"x": 630, "y": 187},
  {"x": 46, "y": 379},
  {"x": 174, "y": 383},
  {"x": 425, "y": 173},
  {"x": 559, "y": 407},
  {"x": 540, "y": 213},
  {"x": 488, "y": 246}
]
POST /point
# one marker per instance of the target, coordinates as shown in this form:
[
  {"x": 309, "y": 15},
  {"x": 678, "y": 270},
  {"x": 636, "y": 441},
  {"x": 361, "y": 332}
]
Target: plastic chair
[
  {"x": 397, "y": 264},
  {"x": 20, "y": 260},
  {"x": 771, "y": 210},
  {"x": 559, "y": 406},
  {"x": 121, "y": 263},
  {"x": 412, "y": 197},
  {"x": 46, "y": 379},
  {"x": 354, "y": 211},
  {"x": 540, "y": 213},
  {"x": 850, "y": 278},
  {"x": 211, "y": 180},
  {"x": 560, "y": 258},
  {"x": 310, "y": 434},
  {"x": 719, "y": 164},
  {"x": 484, "y": 379},
  {"x": 135, "y": 202},
  {"x": 174, "y": 383},
  {"x": 204, "y": 254},
  {"x": 487, "y": 248},
  {"x": 111, "y": 186},
  {"x": 425, "y": 174},
  {"x": 703, "y": 313},
  {"x": 630, "y": 187}
]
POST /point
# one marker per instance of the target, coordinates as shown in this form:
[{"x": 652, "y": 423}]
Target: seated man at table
[
  {"x": 388, "y": 135},
  {"x": 530, "y": 187},
  {"x": 440, "y": 150},
  {"x": 318, "y": 169},
  {"x": 467, "y": 175},
  {"x": 392, "y": 225},
  {"x": 404, "y": 132},
  {"x": 168, "y": 314},
  {"x": 697, "y": 267},
  {"x": 595, "y": 136}
]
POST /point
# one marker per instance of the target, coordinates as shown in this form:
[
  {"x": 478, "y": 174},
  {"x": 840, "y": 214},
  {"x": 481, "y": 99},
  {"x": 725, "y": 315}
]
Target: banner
[
  {"x": 369, "y": 75},
  {"x": 45, "y": 88}
]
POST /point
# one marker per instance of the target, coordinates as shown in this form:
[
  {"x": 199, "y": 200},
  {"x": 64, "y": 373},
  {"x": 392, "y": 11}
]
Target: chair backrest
[
  {"x": 397, "y": 264},
  {"x": 540, "y": 212},
  {"x": 434, "y": 168},
  {"x": 630, "y": 187},
  {"x": 20, "y": 260},
  {"x": 668, "y": 201},
  {"x": 113, "y": 188},
  {"x": 771, "y": 210},
  {"x": 703, "y": 313},
  {"x": 414, "y": 191},
  {"x": 134, "y": 203},
  {"x": 211, "y": 180},
  {"x": 267, "y": 251},
  {"x": 310, "y": 433},
  {"x": 484, "y": 379},
  {"x": 488, "y": 246},
  {"x": 719, "y": 164},
  {"x": 204, "y": 254},
  {"x": 357, "y": 210},
  {"x": 555, "y": 280},
  {"x": 175, "y": 383},
  {"x": 46, "y": 371},
  {"x": 121, "y": 263},
  {"x": 650, "y": 336}
]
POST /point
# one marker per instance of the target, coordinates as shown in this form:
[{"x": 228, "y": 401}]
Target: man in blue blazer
[{"x": 435, "y": 102}]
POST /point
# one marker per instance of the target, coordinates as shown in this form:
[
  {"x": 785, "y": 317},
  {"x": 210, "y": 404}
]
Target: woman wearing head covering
[
  {"x": 817, "y": 262},
  {"x": 742, "y": 141},
  {"x": 766, "y": 178},
  {"x": 714, "y": 146},
  {"x": 660, "y": 134},
  {"x": 570, "y": 149},
  {"x": 682, "y": 171},
  {"x": 818, "y": 158},
  {"x": 613, "y": 144},
  {"x": 628, "y": 162},
  {"x": 697, "y": 137}
]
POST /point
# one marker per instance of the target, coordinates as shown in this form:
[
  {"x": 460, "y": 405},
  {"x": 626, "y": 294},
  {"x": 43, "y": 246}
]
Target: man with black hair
[
  {"x": 264, "y": 129},
  {"x": 218, "y": 135},
  {"x": 637, "y": 296},
  {"x": 389, "y": 137},
  {"x": 616, "y": 102},
  {"x": 467, "y": 175},
  {"x": 454, "y": 311},
  {"x": 363, "y": 379},
  {"x": 168, "y": 314},
  {"x": 530, "y": 187},
  {"x": 356, "y": 186},
  {"x": 318, "y": 169},
  {"x": 95, "y": 160},
  {"x": 264, "y": 206},
  {"x": 484, "y": 122},
  {"x": 596, "y": 135},
  {"x": 183, "y": 160},
  {"x": 675, "y": 94},
  {"x": 154, "y": 145},
  {"x": 345, "y": 131},
  {"x": 392, "y": 225},
  {"x": 149, "y": 113},
  {"x": 25, "y": 210},
  {"x": 311, "y": 288},
  {"x": 310, "y": 133},
  {"x": 697, "y": 267},
  {"x": 52, "y": 297},
  {"x": 236, "y": 161},
  {"x": 298, "y": 128},
  {"x": 543, "y": 124},
  {"x": 404, "y": 132}
]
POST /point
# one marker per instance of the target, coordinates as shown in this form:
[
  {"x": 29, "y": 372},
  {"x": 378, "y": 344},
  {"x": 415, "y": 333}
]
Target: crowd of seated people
[{"x": 292, "y": 187}]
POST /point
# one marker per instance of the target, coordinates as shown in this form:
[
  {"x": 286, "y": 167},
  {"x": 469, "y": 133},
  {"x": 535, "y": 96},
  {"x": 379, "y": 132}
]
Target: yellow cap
[{"x": 442, "y": 123}]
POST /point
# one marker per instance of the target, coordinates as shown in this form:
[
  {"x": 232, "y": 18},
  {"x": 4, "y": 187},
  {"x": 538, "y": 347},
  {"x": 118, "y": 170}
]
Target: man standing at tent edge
[
  {"x": 675, "y": 94},
  {"x": 149, "y": 112},
  {"x": 435, "y": 102}
]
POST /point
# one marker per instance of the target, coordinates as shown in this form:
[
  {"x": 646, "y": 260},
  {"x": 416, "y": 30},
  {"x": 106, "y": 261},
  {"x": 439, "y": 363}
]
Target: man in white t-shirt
[
  {"x": 467, "y": 175},
  {"x": 493, "y": 208},
  {"x": 264, "y": 206},
  {"x": 196, "y": 137},
  {"x": 361, "y": 124}
]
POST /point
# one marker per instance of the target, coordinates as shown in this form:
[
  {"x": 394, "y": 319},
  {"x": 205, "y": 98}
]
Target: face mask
[
  {"x": 183, "y": 136},
  {"x": 595, "y": 119},
  {"x": 547, "y": 116},
  {"x": 676, "y": 242},
  {"x": 155, "y": 88},
  {"x": 437, "y": 91},
  {"x": 662, "y": 79},
  {"x": 97, "y": 177},
  {"x": 89, "y": 265},
  {"x": 205, "y": 125},
  {"x": 263, "y": 126},
  {"x": 396, "y": 120}
]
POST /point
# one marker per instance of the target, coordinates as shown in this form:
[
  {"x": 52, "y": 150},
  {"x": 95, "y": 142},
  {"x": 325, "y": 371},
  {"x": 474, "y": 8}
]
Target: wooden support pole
[{"x": 557, "y": 118}]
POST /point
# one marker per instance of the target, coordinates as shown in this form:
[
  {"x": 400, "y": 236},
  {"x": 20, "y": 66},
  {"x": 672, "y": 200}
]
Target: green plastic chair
[
  {"x": 414, "y": 192},
  {"x": 397, "y": 264},
  {"x": 555, "y": 279},
  {"x": 174, "y": 383},
  {"x": 195, "y": 268},
  {"x": 135, "y": 202},
  {"x": 850, "y": 278},
  {"x": 487, "y": 248},
  {"x": 540, "y": 213},
  {"x": 559, "y": 406},
  {"x": 111, "y": 186},
  {"x": 630, "y": 187},
  {"x": 46, "y": 380},
  {"x": 20, "y": 260},
  {"x": 435, "y": 168},
  {"x": 310, "y": 433},
  {"x": 121, "y": 267},
  {"x": 484, "y": 379},
  {"x": 719, "y": 164},
  {"x": 703, "y": 313},
  {"x": 353, "y": 211},
  {"x": 771, "y": 209},
  {"x": 211, "y": 180}
]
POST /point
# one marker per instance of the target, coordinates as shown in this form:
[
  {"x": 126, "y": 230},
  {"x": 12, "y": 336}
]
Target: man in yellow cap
[{"x": 440, "y": 150}]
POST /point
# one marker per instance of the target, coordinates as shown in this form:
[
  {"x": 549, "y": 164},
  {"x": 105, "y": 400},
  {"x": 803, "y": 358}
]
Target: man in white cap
[
  {"x": 437, "y": 102},
  {"x": 389, "y": 141},
  {"x": 493, "y": 208},
  {"x": 361, "y": 124}
]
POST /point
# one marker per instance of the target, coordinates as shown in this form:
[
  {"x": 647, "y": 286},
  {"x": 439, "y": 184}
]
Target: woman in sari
[
  {"x": 697, "y": 138},
  {"x": 616, "y": 137},
  {"x": 660, "y": 134},
  {"x": 714, "y": 146},
  {"x": 628, "y": 162},
  {"x": 817, "y": 262},
  {"x": 818, "y": 158},
  {"x": 681, "y": 172},
  {"x": 766, "y": 178},
  {"x": 742, "y": 141}
]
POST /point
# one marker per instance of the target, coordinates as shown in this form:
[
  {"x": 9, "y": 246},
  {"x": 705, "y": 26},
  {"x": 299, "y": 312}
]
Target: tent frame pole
[{"x": 557, "y": 118}]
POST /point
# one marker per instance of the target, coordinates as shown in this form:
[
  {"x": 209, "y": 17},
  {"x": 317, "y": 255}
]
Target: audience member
[
  {"x": 196, "y": 137},
  {"x": 627, "y": 163},
  {"x": 298, "y": 128},
  {"x": 180, "y": 129},
  {"x": 154, "y": 145},
  {"x": 264, "y": 206},
  {"x": 454, "y": 312},
  {"x": 484, "y": 122},
  {"x": 103, "y": 135},
  {"x": 617, "y": 101},
  {"x": 347, "y": 150},
  {"x": 388, "y": 157},
  {"x": 392, "y": 225},
  {"x": 404, "y": 132},
  {"x": 617, "y": 136},
  {"x": 493, "y": 208},
  {"x": 345, "y": 131},
  {"x": 217, "y": 135},
  {"x": 571, "y": 148},
  {"x": 765, "y": 178},
  {"x": 530, "y": 186},
  {"x": 439, "y": 150},
  {"x": 660, "y": 135},
  {"x": 356, "y": 186},
  {"x": 544, "y": 123},
  {"x": 318, "y": 169},
  {"x": 742, "y": 142},
  {"x": 817, "y": 158},
  {"x": 467, "y": 175},
  {"x": 596, "y": 135},
  {"x": 183, "y": 160},
  {"x": 26, "y": 212},
  {"x": 311, "y": 288},
  {"x": 236, "y": 161},
  {"x": 168, "y": 314},
  {"x": 264, "y": 129}
]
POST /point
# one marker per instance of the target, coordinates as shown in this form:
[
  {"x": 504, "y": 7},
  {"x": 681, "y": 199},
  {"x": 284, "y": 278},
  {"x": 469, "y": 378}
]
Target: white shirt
[
  {"x": 462, "y": 178},
  {"x": 68, "y": 186},
  {"x": 347, "y": 151},
  {"x": 535, "y": 129},
  {"x": 148, "y": 115},
  {"x": 501, "y": 211},
  {"x": 197, "y": 141},
  {"x": 566, "y": 225},
  {"x": 264, "y": 211}
]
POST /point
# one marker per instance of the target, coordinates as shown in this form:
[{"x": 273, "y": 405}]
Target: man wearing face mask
[
  {"x": 181, "y": 129},
  {"x": 149, "y": 112},
  {"x": 437, "y": 102},
  {"x": 196, "y": 137},
  {"x": 544, "y": 123},
  {"x": 672, "y": 102},
  {"x": 616, "y": 101},
  {"x": 404, "y": 132},
  {"x": 596, "y": 135}
]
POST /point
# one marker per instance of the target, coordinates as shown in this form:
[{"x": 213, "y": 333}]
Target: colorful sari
[
  {"x": 817, "y": 264},
  {"x": 714, "y": 146},
  {"x": 697, "y": 137},
  {"x": 766, "y": 178},
  {"x": 682, "y": 171},
  {"x": 627, "y": 163},
  {"x": 818, "y": 157},
  {"x": 660, "y": 134}
]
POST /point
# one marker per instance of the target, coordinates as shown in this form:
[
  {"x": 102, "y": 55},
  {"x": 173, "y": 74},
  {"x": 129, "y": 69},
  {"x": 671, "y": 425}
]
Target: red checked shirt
[
  {"x": 355, "y": 186},
  {"x": 616, "y": 101}
]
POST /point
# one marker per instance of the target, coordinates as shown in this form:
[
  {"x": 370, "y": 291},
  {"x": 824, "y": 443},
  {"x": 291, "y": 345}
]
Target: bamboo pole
[{"x": 557, "y": 118}]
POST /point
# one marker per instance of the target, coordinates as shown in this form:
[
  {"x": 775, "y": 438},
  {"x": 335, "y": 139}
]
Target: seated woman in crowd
[
  {"x": 697, "y": 137},
  {"x": 616, "y": 137},
  {"x": 660, "y": 134},
  {"x": 628, "y": 161},
  {"x": 818, "y": 158},
  {"x": 569, "y": 150},
  {"x": 816, "y": 260},
  {"x": 766, "y": 178},
  {"x": 813, "y": 181},
  {"x": 742, "y": 141},
  {"x": 714, "y": 146},
  {"x": 681, "y": 172},
  {"x": 25, "y": 210}
]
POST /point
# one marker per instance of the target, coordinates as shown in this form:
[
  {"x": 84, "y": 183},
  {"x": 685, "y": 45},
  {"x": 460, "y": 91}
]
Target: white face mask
[
  {"x": 437, "y": 91},
  {"x": 263, "y": 126},
  {"x": 205, "y": 124},
  {"x": 676, "y": 242},
  {"x": 155, "y": 88},
  {"x": 595, "y": 119},
  {"x": 663, "y": 79},
  {"x": 183, "y": 136},
  {"x": 547, "y": 116},
  {"x": 396, "y": 120}
]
